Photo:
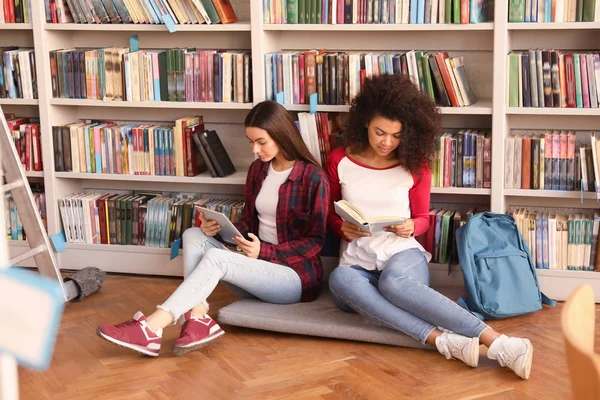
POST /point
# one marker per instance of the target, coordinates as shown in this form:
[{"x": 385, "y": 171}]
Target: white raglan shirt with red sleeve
[{"x": 377, "y": 192}]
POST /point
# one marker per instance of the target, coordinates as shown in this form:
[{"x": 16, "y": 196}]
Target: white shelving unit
[
  {"x": 522, "y": 36},
  {"x": 484, "y": 47}
]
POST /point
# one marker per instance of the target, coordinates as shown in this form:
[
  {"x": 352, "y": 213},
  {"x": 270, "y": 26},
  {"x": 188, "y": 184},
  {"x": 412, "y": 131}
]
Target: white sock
[{"x": 496, "y": 347}]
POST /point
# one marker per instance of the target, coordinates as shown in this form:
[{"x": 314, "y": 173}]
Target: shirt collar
[{"x": 296, "y": 174}]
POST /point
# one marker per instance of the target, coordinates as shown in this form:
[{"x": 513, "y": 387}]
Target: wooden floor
[{"x": 250, "y": 364}]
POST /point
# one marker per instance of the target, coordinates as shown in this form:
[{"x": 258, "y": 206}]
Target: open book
[{"x": 350, "y": 213}]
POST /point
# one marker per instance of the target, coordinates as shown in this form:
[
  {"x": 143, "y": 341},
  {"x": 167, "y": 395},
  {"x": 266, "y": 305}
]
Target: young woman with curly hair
[{"x": 384, "y": 170}]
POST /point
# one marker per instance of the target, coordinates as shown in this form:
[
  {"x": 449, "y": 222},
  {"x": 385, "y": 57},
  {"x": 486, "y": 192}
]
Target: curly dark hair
[{"x": 398, "y": 99}]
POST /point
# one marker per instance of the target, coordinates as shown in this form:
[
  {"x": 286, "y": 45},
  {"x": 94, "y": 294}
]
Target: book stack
[
  {"x": 117, "y": 74},
  {"x": 15, "y": 11},
  {"x": 374, "y": 11},
  {"x": 463, "y": 159},
  {"x": 337, "y": 77},
  {"x": 560, "y": 240},
  {"x": 139, "y": 11},
  {"x": 25, "y": 133},
  {"x": 184, "y": 148},
  {"x": 14, "y": 227},
  {"x": 553, "y": 11},
  {"x": 553, "y": 78},
  {"x": 440, "y": 238},
  {"x": 153, "y": 219},
  {"x": 552, "y": 160},
  {"x": 18, "y": 76}
]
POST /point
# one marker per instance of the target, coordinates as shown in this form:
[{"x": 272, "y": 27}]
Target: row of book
[
  {"x": 559, "y": 240},
  {"x": 18, "y": 76},
  {"x": 374, "y": 11},
  {"x": 463, "y": 159},
  {"x": 15, "y": 11},
  {"x": 551, "y": 160},
  {"x": 553, "y": 78},
  {"x": 440, "y": 238},
  {"x": 337, "y": 77},
  {"x": 14, "y": 227},
  {"x": 185, "y": 148},
  {"x": 139, "y": 11},
  {"x": 25, "y": 133},
  {"x": 140, "y": 218},
  {"x": 321, "y": 132},
  {"x": 553, "y": 11},
  {"x": 152, "y": 75}
]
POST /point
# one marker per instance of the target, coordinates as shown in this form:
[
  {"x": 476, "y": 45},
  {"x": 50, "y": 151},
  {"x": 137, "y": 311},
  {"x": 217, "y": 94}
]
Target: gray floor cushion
[{"x": 318, "y": 318}]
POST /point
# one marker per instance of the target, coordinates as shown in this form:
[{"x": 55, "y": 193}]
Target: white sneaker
[
  {"x": 455, "y": 346},
  {"x": 514, "y": 353}
]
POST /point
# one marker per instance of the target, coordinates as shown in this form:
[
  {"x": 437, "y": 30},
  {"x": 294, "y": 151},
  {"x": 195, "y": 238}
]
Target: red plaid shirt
[{"x": 301, "y": 221}]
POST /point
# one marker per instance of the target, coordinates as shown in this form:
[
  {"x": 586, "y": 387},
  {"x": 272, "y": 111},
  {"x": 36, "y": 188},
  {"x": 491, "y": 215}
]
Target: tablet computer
[{"x": 228, "y": 230}]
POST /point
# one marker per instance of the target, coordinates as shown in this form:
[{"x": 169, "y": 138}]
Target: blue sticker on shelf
[
  {"x": 279, "y": 98},
  {"x": 313, "y": 103},
  {"x": 59, "y": 241},
  {"x": 134, "y": 43},
  {"x": 169, "y": 23},
  {"x": 175, "y": 248}
]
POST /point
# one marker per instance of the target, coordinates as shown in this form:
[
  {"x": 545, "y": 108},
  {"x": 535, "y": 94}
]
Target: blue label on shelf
[
  {"x": 59, "y": 241},
  {"x": 313, "y": 103},
  {"x": 279, "y": 98},
  {"x": 169, "y": 23},
  {"x": 134, "y": 43},
  {"x": 175, "y": 248}
]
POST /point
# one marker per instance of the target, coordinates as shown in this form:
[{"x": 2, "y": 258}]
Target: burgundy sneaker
[
  {"x": 195, "y": 333},
  {"x": 133, "y": 334}
]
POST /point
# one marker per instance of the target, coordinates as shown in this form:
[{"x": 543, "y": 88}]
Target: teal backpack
[{"x": 499, "y": 273}]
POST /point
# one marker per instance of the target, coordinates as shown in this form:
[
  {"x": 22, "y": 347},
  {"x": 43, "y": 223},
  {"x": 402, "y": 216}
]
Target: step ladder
[
  {"x": 39, "y": 243},
  {"x": 16, "y": 182}
]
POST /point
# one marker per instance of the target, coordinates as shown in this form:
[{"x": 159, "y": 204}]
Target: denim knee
[
  {"x": 393, "y": 280},
  {"x": 339, "y": 279},
  {"x": 193, "y": 236}
]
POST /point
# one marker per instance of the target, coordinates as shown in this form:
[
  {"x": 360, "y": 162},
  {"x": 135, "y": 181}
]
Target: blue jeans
[
  {"x": 400, "y": 298},
  {"x": 206, "y": 262}
]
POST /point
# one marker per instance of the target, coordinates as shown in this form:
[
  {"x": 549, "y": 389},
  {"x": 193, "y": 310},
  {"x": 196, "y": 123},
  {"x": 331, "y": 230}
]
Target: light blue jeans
[
  {"x": 206, "y": 262},
  {"x": 399, "y": 297}
]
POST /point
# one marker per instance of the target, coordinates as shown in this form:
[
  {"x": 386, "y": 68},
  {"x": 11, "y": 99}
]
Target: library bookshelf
[{"x": 484, "y": 46}]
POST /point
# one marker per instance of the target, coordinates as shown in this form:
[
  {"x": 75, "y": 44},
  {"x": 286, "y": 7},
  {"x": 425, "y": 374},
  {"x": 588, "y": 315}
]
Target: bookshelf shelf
[
  {"x": 480, "y": 108},
  {"x": 235, "y": 27},
  {"x": 575, "y": 112},
  {"x": 487, "y": 26},
  {"x": 238, "y": 178},
  {"x": 19, "y": 102},
  {"x": 549, "y": 194},
  {"x": 150, "y": 104},
  {"x": 464, "y": 191},
  {"x": 16, "y": 27},
  {"x": 534, "y": 26},
  {"x": 558, "y": 284},
  {"x": 111, "y": 258},
  {"x": 119, "y": 248},
  {"x": 34, "y": 174}
]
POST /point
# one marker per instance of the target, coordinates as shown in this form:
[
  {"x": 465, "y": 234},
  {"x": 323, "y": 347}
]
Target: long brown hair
[{"x": 274, "y": 118}]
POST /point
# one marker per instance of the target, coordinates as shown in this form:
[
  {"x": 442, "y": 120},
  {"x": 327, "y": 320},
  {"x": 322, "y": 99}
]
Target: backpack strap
[
  {"x": 547, "y": 300},
  {"x": 461, "y": 302}
]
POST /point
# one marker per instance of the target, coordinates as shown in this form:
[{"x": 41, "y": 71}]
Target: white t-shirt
[{"x": 266, "y": 204}]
